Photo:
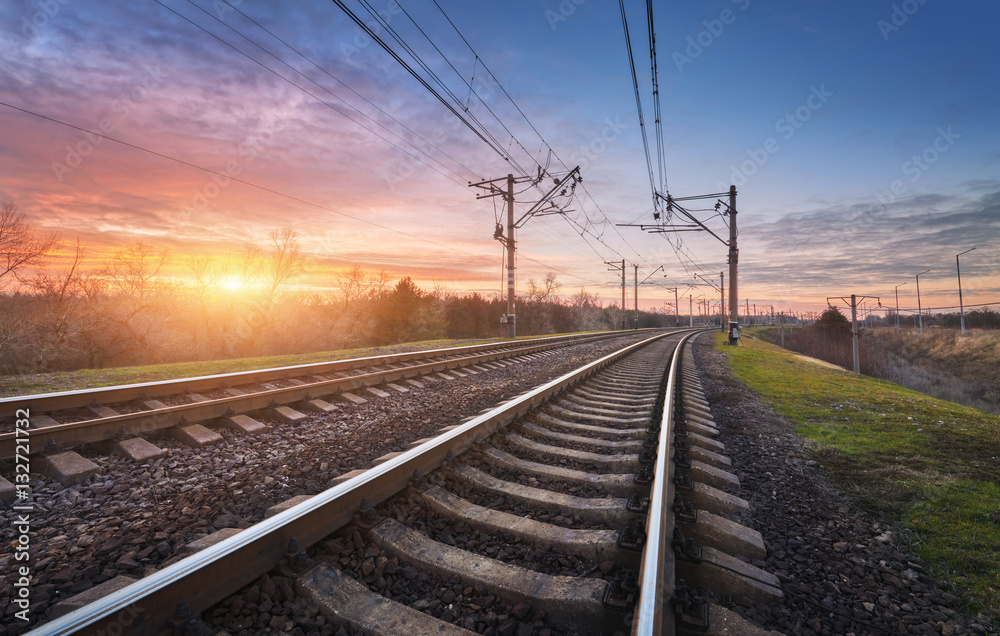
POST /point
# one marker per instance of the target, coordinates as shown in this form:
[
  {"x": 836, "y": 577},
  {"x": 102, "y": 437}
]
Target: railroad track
[
  {"x": 124, "y": 414},
  {"x": 556, "y": 512}
]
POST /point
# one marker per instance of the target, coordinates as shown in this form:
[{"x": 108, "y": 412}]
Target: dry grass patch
[{"x": 931, "y": 465}]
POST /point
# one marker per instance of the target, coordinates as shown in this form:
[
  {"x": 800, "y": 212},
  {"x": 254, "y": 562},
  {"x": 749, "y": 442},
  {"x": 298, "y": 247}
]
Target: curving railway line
[{"x": 596, "y": 503}]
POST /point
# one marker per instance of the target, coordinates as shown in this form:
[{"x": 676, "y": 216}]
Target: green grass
[
  {"x": 930, "y": 465},
  {"x": 14, "y": 385}
]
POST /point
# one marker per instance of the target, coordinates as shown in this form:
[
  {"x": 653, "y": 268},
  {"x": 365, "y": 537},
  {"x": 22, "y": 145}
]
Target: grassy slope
[
  {"x": 931, "y": 465},
  {"x": 88, "y": 378}
]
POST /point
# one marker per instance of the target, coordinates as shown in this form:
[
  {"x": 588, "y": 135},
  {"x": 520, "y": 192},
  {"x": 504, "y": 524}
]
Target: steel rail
[
  {"x": 653, "y": 613},
  {"x": 148, "y": 421},
  {"x": 209, "y": 576},
  {"x": 46, "y": 402}
]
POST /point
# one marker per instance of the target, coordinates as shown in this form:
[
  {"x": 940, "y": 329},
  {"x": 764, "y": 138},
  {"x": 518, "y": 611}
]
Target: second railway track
[
  {"x": 577, "y": 507},
  {"x": 67, "y": 419}
]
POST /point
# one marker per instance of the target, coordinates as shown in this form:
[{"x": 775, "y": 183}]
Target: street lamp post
[
  {"x": 961, "y": 307},
  {"x": 920, "y": 313},
  {"x": 897, "y": 304}
]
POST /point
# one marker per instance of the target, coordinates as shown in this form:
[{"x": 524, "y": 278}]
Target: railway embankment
[{"x": 922, "y": 475}]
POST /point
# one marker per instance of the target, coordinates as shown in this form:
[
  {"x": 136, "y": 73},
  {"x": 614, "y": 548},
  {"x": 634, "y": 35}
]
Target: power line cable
[
  {"x": 658, "y": 121},
  {"x": 306, "y": 91},
  {"x": 233, "y": 178},
  {"x": 357, "y": 20},
  {"x": 257, "y": 186},
  {"x": 378, "y": 17},
  {"x": 638, "y": 106},
  {"x": 472, "y": 90},
  {"x": 348, "y": 87},
  {"x": 544, "y": 142}
]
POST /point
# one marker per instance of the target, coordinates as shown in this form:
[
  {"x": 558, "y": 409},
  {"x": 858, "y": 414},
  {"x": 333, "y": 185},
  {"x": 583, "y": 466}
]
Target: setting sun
[{"x": 232, "y": 284}]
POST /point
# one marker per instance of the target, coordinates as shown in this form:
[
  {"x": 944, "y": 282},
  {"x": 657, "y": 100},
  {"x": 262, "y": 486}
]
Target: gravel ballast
[
  {"x": 843, "y": 571},
  {"x": 135, "y": 518}
]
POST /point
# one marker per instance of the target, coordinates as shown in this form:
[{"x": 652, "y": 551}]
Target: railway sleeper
[
  {"x": 613, "y": 397},
  {"x": 539, "y": 432},
  {"x": 345, "y": 600},
  {"x": 626, "y": 462},
  {"x": 619, "y": 485},
  {"x": 594, "y": 545},
  {"x": 586, "y": 402},
  {"x": 611, "y": 511},
  {"x": 600, "y": 409},
  {"x": 566, "y": 412},
  {"x": 549, "y": 420},
  {"x": 573, "y": 603}
]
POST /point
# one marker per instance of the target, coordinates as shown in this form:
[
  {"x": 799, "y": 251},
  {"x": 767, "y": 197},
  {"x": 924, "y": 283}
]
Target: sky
[{"x": 862, "y": 136}]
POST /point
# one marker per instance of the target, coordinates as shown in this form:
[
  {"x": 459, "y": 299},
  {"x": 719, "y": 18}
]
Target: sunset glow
[{"x": 863, "y": 146}]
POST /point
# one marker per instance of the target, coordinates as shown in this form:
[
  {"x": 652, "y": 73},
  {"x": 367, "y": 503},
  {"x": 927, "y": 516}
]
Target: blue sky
[{"x": 863, "y": 138}]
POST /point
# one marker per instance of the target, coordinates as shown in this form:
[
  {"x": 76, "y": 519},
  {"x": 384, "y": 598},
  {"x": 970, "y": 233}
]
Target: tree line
[{"x": 126, "y": 311}]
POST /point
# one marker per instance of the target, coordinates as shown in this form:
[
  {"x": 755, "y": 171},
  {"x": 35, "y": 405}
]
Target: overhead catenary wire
[
  {"x": 582, "y": 233},
  {"x": 544, "y": 142},
  {"x": 472, "y": 90},
  {"x": 340, "y": 81},
  {"x": 455, "y": 178},
  {"x": 230, "y": 177},
  {"x": 638, "y": 105},
  {"x": 357, "y": 20},
  {"x": 583, "y": 227},
  {"x": 661, "y": 150}
]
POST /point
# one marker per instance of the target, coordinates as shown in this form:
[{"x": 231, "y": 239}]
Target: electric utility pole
[
  {"x": 615, "y": 267},
  {"x": 668, "y": 225},
  {"x": 722, "y": 305},
  {"x": 642, "y": 282},
  {"x": 734, "y": 257},
  {"x": 677, "y": 309},
  {"x": 854, "y": 325},
  {"x": 508, "y": 241},
  {"x": 511, "y": 313},
  {"x": 961, "y": 306},
  {"x": 635, "y": 300}
]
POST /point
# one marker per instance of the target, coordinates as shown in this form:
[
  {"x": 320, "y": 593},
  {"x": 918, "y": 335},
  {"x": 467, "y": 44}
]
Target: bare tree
[
  {"x": 284, "y": 262},
  {"x": 250, "y": 262},
  {"x": 353, "y": 284},
  {"x": 66, "y": 320},
  {"x": 379, "y": 283},
  {"x": 584, "y": 298},
  {"x": 132, "y": 271},
  {"x": 131, "y": 277},
  {"x": 206, "y": 273},
  {"x": 20, "y": 246},
  {"x": 546, "y": 291},
  {"x": 59, "y": 286}
]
